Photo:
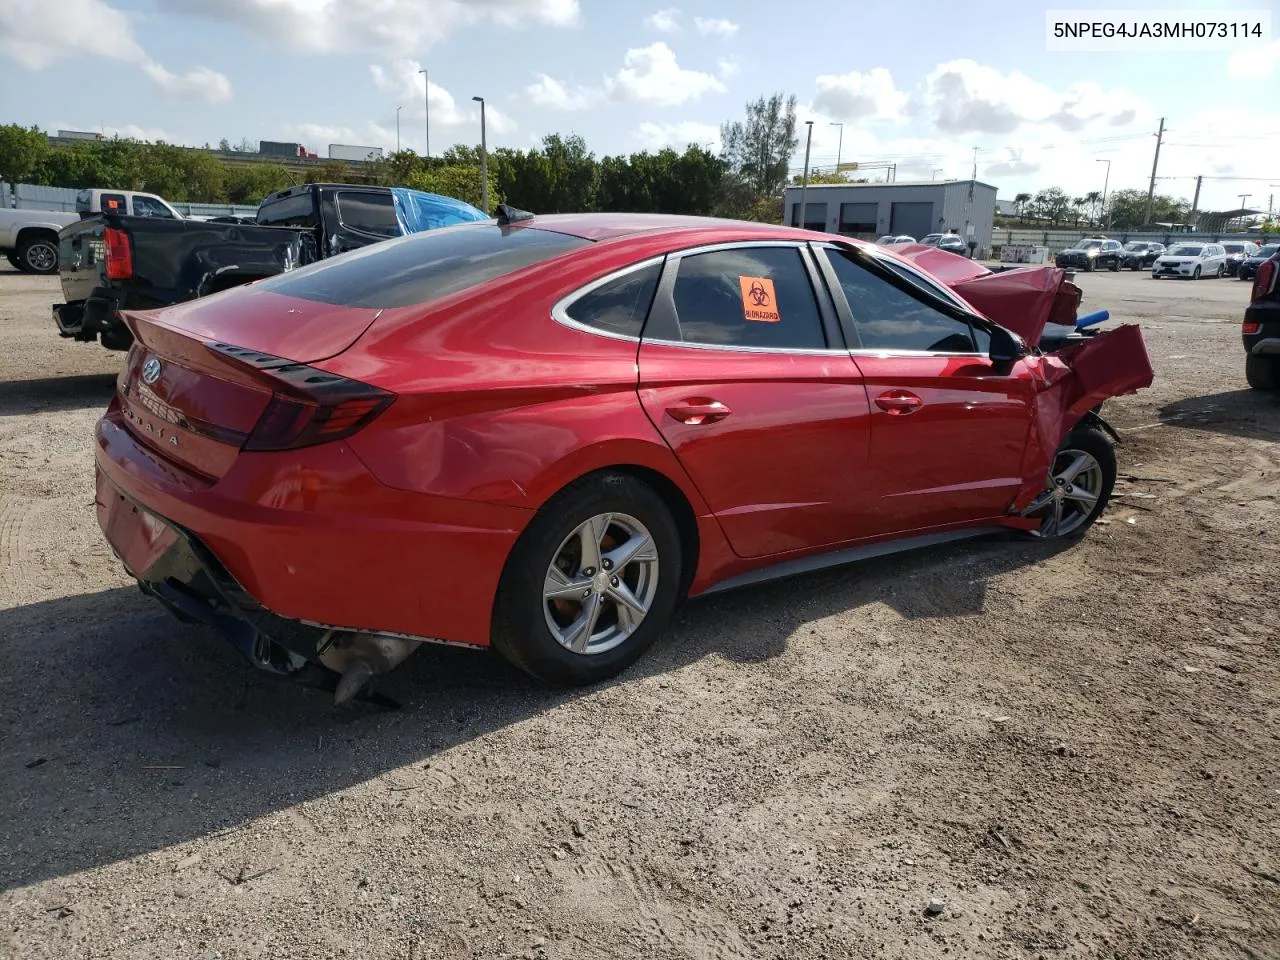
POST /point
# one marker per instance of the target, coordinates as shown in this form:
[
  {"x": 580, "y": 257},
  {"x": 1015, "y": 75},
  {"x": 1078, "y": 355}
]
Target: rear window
[
  {"x": 296, "y": 211},
  {"x": 422, "y": 267}
]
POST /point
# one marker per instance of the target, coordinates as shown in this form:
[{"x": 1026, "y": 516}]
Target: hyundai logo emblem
[{"x": 151, "y": 371}]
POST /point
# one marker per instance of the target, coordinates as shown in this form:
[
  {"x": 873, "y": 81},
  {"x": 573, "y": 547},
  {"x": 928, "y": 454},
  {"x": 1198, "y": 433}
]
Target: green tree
[
  {"x": 458, "y": 180},
  {"x": 1020, "y": 202},
  {"x": 253, "y": 181},
  {"x": 1094, "y": 199},
  {"x": 22, "y": 152},
  {"x": 1051, "y": 203},
  {"x": 1128, "y": 209},
  {"x": 823, "y": 176},
  {"x": 759, "y": 148}
]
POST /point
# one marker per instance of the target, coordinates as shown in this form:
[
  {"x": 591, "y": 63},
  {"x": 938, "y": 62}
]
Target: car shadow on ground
[
  {"x": 1243, "y": 413},
  {"x": 54, "y": 394},
  {"x": 126, "y": 732}
]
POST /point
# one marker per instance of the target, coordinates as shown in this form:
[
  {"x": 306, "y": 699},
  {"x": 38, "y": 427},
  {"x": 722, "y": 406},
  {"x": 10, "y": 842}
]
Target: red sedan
[{"x": 542, "y": 433}]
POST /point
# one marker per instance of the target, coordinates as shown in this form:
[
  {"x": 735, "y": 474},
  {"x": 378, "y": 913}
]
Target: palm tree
[
  {"x": 1079, "y": 203},
  {"x": 1020, "y": 202},
  {"x": 1094, "y": 199}
]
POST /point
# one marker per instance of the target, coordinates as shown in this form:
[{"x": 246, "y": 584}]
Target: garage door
[
  {"x": 914, "y": 219},
  {"x": 858, "y": 219}
]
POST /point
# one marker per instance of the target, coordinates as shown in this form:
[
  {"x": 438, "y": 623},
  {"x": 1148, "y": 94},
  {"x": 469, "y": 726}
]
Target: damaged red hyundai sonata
[{"x": 543, "y": 433}]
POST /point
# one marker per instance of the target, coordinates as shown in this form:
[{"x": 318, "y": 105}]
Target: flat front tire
[
  {"x": 591, "y": 583},
  {"x": 1078, "y": 486}
]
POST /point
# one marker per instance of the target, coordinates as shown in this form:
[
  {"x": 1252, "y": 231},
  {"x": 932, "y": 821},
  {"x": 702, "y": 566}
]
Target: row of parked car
[
  {"x": 1189, "y": 259},
  {"x": 950, "y": 242}
]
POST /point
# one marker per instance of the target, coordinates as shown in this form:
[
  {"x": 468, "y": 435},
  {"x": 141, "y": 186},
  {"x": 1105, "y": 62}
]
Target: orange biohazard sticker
[{"x": 759, "y": 302}]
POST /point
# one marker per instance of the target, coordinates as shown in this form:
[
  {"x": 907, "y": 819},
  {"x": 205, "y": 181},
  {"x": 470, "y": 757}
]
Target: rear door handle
[
  {"x": 696, "y": 411},
  {"x": 898, "y": 403}
]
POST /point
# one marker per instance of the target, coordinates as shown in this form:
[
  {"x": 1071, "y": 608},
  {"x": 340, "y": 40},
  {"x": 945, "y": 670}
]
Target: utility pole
[
  {"x": 426, "y": 102},
  {"x": 1151, "y": 190},
  {"x": 398, "y": 109},
  {"x": 804, "y": 182},
  {"x": 1106, "y": 181},
  {"x": 484, "y": 161},
  {"x": 1195, "y": 202},
  {"x": 839, "y": 145},
  {"x": 975, "y": 164}
]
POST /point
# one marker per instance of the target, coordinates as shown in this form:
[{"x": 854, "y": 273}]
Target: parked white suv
[{"x": 1191, "y": 260}]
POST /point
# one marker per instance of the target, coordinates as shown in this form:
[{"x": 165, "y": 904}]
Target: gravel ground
[{"x": 1072, "y": 752}]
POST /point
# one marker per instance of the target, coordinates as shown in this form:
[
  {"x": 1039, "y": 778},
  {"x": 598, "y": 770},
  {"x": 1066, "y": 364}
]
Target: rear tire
[
  {"x": 551, "y": 554},
  {"x": 1263, "y": 373},
  {"x": 1064, "y": 512},
  {"x": 38, "y": 254},
  {"x": 1115, "y": 266}
]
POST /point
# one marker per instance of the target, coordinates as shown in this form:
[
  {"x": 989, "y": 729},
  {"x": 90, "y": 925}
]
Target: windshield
[
  {"x": 1185, "y": 251},
  {"x": 1087, "y": 245},
  {"x": 1134, "y": 245}
]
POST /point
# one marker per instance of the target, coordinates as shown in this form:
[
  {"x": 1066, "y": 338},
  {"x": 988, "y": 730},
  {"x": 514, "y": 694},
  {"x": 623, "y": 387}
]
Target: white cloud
[
  {"x": 391, "y": 28},
  {"x": 664, "y": 21},
  {"x": 860, "y": 96},
  {"x": 656, "y": 136},
  {"x": 728, "y": 67},
  {"x": 715, "y": 27},
  {"x": 39, "y": 33},
  {"x": 1255, "y": 64},
  {"x": 549, "y": 92},
  {"x": 964, "y": 96},
  {"x": 201, "y": 84},
  {"x": 652, "y": 75}
]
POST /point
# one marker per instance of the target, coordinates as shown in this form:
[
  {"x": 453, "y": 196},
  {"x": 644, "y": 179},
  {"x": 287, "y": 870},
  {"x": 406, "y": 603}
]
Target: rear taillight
[
  {"x": 1264, "y": 281},
  {"x": 307, "y": 406},
  {"x": 118, "y": 254}
]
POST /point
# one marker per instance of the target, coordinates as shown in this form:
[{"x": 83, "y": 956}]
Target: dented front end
[{"x": 1076, "y": 369}]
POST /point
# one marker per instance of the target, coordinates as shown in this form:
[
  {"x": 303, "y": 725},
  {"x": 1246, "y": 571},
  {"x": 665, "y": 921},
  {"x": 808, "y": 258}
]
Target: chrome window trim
[
  {"x": 560, "y": 309},
  {"x": 800, "y": 351}
]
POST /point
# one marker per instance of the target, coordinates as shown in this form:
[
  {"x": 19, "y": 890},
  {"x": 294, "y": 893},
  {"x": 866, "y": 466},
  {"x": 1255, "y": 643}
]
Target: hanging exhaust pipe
[{"x": 359, "y": 657}]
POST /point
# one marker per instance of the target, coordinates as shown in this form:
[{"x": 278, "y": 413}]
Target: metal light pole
[
  {"x": 398, "y": 109},
  {"x": 1106, "y": 181},
  {"x": 484, "y": 160},
  {"x": 804, "y": 182},
  {"x": 936, "y": 171},
  {"x": 839, "y": 145},
  {"x": 426, "y": 102}
]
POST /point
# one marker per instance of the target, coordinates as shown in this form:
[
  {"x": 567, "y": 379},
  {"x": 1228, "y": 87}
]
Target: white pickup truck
[{"x": 29, "y": 238}]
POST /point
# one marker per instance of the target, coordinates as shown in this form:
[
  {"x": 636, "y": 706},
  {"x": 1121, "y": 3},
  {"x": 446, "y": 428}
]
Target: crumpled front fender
[{"x": 1073, "y": 381}]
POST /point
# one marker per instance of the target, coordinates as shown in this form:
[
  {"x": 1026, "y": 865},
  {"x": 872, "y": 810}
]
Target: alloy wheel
[
  {"x": 601, "y": 583},
  {"x": 1070, "y": 493},
  {"x": 41, "y": 256}
]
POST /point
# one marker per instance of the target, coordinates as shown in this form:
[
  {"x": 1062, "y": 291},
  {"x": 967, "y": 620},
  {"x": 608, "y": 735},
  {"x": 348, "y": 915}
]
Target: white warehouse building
[{"x": 871, "y": 210}]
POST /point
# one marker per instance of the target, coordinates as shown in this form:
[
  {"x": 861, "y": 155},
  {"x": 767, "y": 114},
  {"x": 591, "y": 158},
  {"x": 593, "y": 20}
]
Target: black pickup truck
[{"x": 110, "y": 263}]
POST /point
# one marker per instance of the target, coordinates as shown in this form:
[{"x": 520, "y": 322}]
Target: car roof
[{"x": 608, "y": 226}]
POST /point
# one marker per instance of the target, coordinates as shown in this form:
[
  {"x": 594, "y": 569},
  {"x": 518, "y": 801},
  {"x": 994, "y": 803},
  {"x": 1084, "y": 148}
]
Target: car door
[
  {"x": 949, "y": 427},
  {"x": 744, "y": 373}
]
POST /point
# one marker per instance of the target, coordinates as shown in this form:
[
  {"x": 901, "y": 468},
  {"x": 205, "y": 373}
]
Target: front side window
[
  {"x": 748, "y": 297},
  {"x": 890, "y": 318},
  {"x": 150, "y": 207},
  {"x": 373, "y": 213},
  {"x": 620, "y": 305}
]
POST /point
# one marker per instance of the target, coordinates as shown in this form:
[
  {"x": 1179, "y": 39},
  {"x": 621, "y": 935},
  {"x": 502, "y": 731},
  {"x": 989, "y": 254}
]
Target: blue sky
[{"x": 920, "y": 84}]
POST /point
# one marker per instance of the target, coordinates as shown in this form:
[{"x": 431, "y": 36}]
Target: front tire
[
  {"x": 1195, "y": 274},
  {"x": 38, "y": 254},
  {"x": 1077, "y": 487},
  {"x": 1115, "y": 266},
  {"x": 591, "y": 583},
  {"x": 1262, "y": 373}
]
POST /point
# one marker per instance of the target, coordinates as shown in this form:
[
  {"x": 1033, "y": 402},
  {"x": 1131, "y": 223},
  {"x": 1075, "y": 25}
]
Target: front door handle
[
  {"x": 696, "y": 411},
  {"x": 898, "y": 403}
]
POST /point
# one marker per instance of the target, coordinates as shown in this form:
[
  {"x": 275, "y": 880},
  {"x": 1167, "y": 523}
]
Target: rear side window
[
  {"x": 373, "y": 213},
  {"x": 295, "y": 211},
  {"x": 423, "y": 266},
  {"x": 620, "y": 305},
  {"x": 112, "y": 203},
  {"x": 889, "y": 318},
  {"x": 748, "y": 297}
]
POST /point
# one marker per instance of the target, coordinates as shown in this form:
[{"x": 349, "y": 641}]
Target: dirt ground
[{"x": 1075, "y": 751}]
